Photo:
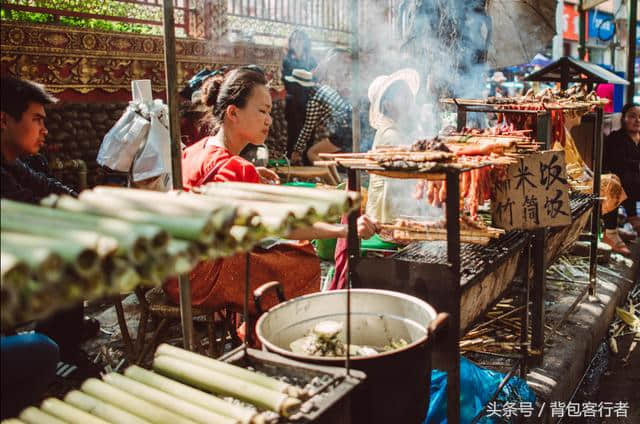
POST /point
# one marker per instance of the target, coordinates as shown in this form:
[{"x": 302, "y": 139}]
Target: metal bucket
[{"x": 397, "y": 384}]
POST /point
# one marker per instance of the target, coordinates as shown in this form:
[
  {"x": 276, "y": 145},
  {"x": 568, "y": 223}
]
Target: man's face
[{"x": 26, "y": 135}]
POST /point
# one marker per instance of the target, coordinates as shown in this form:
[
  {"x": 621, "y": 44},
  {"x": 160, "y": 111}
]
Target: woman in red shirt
[{"x": 240, "y": 114}]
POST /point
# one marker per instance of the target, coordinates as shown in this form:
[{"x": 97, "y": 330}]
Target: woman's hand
[
  {"x": 367, "y": 227},
  {"x": 267, "y": 176}
]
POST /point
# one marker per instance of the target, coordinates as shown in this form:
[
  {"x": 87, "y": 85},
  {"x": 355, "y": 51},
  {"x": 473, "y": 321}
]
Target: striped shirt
[{"x": 325, "y": 108}]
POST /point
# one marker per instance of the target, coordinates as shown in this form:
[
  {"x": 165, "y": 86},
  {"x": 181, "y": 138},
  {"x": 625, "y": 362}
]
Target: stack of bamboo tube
[
  {"x": 109, "y": 239},
  {"x": 183, "y": 389}
]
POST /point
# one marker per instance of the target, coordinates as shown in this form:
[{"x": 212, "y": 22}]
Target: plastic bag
[
  {"x": 154, "y": 159},
  {"x": 120, "y": 144},
  {"x": 477, "y": 386}
]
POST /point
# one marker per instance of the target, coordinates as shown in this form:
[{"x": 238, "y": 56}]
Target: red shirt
[{"x": 206, "y": 163}]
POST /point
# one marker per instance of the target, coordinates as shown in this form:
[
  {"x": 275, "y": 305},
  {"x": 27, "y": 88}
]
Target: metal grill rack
[
  {"x": 543, "y": 134},
  {"x": 445, "y": 273}
]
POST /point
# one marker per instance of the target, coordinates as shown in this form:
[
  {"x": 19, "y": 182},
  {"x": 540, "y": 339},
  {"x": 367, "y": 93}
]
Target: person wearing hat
[
  {"x": 298, "y": 57},
  {"x": 393, "y": 115},
  {"x": 327, "y": 119}
]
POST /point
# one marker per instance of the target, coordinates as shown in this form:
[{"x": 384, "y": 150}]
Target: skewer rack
[
  {"x": 540, "y": 237},
  {"x": 443, "y": 282}
]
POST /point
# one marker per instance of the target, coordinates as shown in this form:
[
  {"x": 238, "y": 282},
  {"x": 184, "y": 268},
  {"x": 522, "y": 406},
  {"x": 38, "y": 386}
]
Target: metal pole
[
  {"x": 631, "y": 62},
  {"x": 595, "y": 217},
  {"x": 355, "y": 78},
  {"x": 582, "y": 48},
  {"x": 171, "y": 75}
]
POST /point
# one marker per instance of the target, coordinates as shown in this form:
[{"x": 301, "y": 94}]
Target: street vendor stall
[{"x": 467, "y": 273}]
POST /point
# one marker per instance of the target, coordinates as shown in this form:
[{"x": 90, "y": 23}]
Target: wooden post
[{"x": 171, "y": 75}]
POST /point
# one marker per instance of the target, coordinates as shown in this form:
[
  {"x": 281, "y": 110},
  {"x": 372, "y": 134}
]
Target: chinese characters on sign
[{"x": 535, "y": 194}]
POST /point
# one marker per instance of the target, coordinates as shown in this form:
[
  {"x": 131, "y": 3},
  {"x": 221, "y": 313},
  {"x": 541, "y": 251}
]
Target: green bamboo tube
[
  {"x": 228, "y": 369},
  {"x": 198, "y": 228},
  {"x": 158, "y": 397},
  {"x": 320, "y": 207},
  {"x": 122, "y": 276},
  {"x": 132, "y": 404},
  {"x": 155, "y": 270},
  {"x": 207, "y": 379},
  {"x": 336, "y": 200},
  {"x": 101, "y": 409},
  {"x": 69, "y": 413},
  {"x": 14, "y": 279},
  {"x": 103, "y": 245},
  {"x": 12, "y": 421},
  {"x": 195, "y": 396},
  {"x": 83, "y": 261},
  {"x": 46, "y": 265},
  {"x": 33, "y": 415},
  {"x": 137, "y": 238},
  {"x": 333, "y": 196},
  {"x": 177, "y": 201}
]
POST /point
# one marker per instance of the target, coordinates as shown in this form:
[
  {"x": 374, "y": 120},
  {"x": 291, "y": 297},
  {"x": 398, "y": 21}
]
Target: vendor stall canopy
[{"x": 567, "y": 69}]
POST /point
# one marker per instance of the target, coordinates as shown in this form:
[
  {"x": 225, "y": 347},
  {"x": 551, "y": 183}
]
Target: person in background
[
  {"x": 298, "y": 57},
  {"x": 22, "y": 134},
  {"x": 240, "y": 114},
  {"x": 327, "y": 122},
  {"x": 621, "y": 157},
  {"x": 392, "y": 114}
]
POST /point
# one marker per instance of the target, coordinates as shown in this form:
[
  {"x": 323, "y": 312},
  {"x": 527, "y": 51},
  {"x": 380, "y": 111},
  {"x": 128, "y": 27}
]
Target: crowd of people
[{"x": 229, "y": 110}]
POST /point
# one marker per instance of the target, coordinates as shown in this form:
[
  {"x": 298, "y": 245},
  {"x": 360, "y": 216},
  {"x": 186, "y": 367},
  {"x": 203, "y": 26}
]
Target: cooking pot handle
[
  {"x": 260, "y": 291},
  {"x": 438, "y": 323}
]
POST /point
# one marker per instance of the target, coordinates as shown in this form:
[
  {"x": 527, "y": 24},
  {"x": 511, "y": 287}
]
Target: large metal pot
[{"x": 397, "y": 384}]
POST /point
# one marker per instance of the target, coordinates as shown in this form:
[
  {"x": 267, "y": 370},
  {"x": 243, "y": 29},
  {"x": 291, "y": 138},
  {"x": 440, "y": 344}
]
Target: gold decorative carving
[{"x": 83, "y": 60}]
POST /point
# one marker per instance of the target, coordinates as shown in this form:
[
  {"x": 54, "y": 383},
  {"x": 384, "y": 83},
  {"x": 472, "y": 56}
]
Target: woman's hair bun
[{"x": 211, "y": 90}]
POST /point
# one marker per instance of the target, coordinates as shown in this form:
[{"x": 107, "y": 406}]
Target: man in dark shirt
[{"x": 22, "y": 134}]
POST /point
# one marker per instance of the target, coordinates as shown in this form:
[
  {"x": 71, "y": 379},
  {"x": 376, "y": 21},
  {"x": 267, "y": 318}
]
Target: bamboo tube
[
  {"x": 83, "y": 261},
  {"x": 101, "y": 409},
  {"x": 33, "y": 415},
  {"x": 223, "y": 213},
  {"x": 340, "y": 198},
  {"x": 228, "y": 369},
  {"x": 121, "y": 275},
  {"x": 158, "y": 397},
  {"x": 221, "y": 383},
  {"x": 12, "y": 421},
  {"x": 15, "y": 275},
  {"x": 46, "y": 265},
  {"x": 69, "y": 413},
  {"x": 133, "y": 404},
  {"x": 154, "y": 271},
  {"x": 321, "y": 206},
  {"x": 199, "y": 229},
  {"x": 185, "y": 226},
  {"x": 195, "y": 396},
  {"x": 101, "y": 244},
  {"x": 136, "y": 237}
]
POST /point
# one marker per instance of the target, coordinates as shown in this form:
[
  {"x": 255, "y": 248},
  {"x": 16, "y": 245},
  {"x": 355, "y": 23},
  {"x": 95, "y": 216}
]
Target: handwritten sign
[{"x": 534, "y": 195}]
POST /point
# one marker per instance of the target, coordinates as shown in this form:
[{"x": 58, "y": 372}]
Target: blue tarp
[{"x": 477, "y": 386}]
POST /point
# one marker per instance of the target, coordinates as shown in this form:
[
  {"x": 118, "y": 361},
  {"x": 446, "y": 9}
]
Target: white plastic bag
[
  {"x": 120, "y": 144},
  {"x": 155, "y": 157}
]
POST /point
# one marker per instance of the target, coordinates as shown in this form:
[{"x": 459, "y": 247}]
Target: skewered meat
[{"x": 429, "y": 144}]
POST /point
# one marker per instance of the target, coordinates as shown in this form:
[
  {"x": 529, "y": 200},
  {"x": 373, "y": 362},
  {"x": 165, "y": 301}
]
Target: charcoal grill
[
  {"x": 330, "y": 405},
  {"x": 542, "y": 255},
  {"x": 446, "y": 275}
]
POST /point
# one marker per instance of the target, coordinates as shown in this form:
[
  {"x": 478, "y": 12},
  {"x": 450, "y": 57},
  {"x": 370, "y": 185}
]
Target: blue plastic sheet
[{"x": 477, "y": 386}]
